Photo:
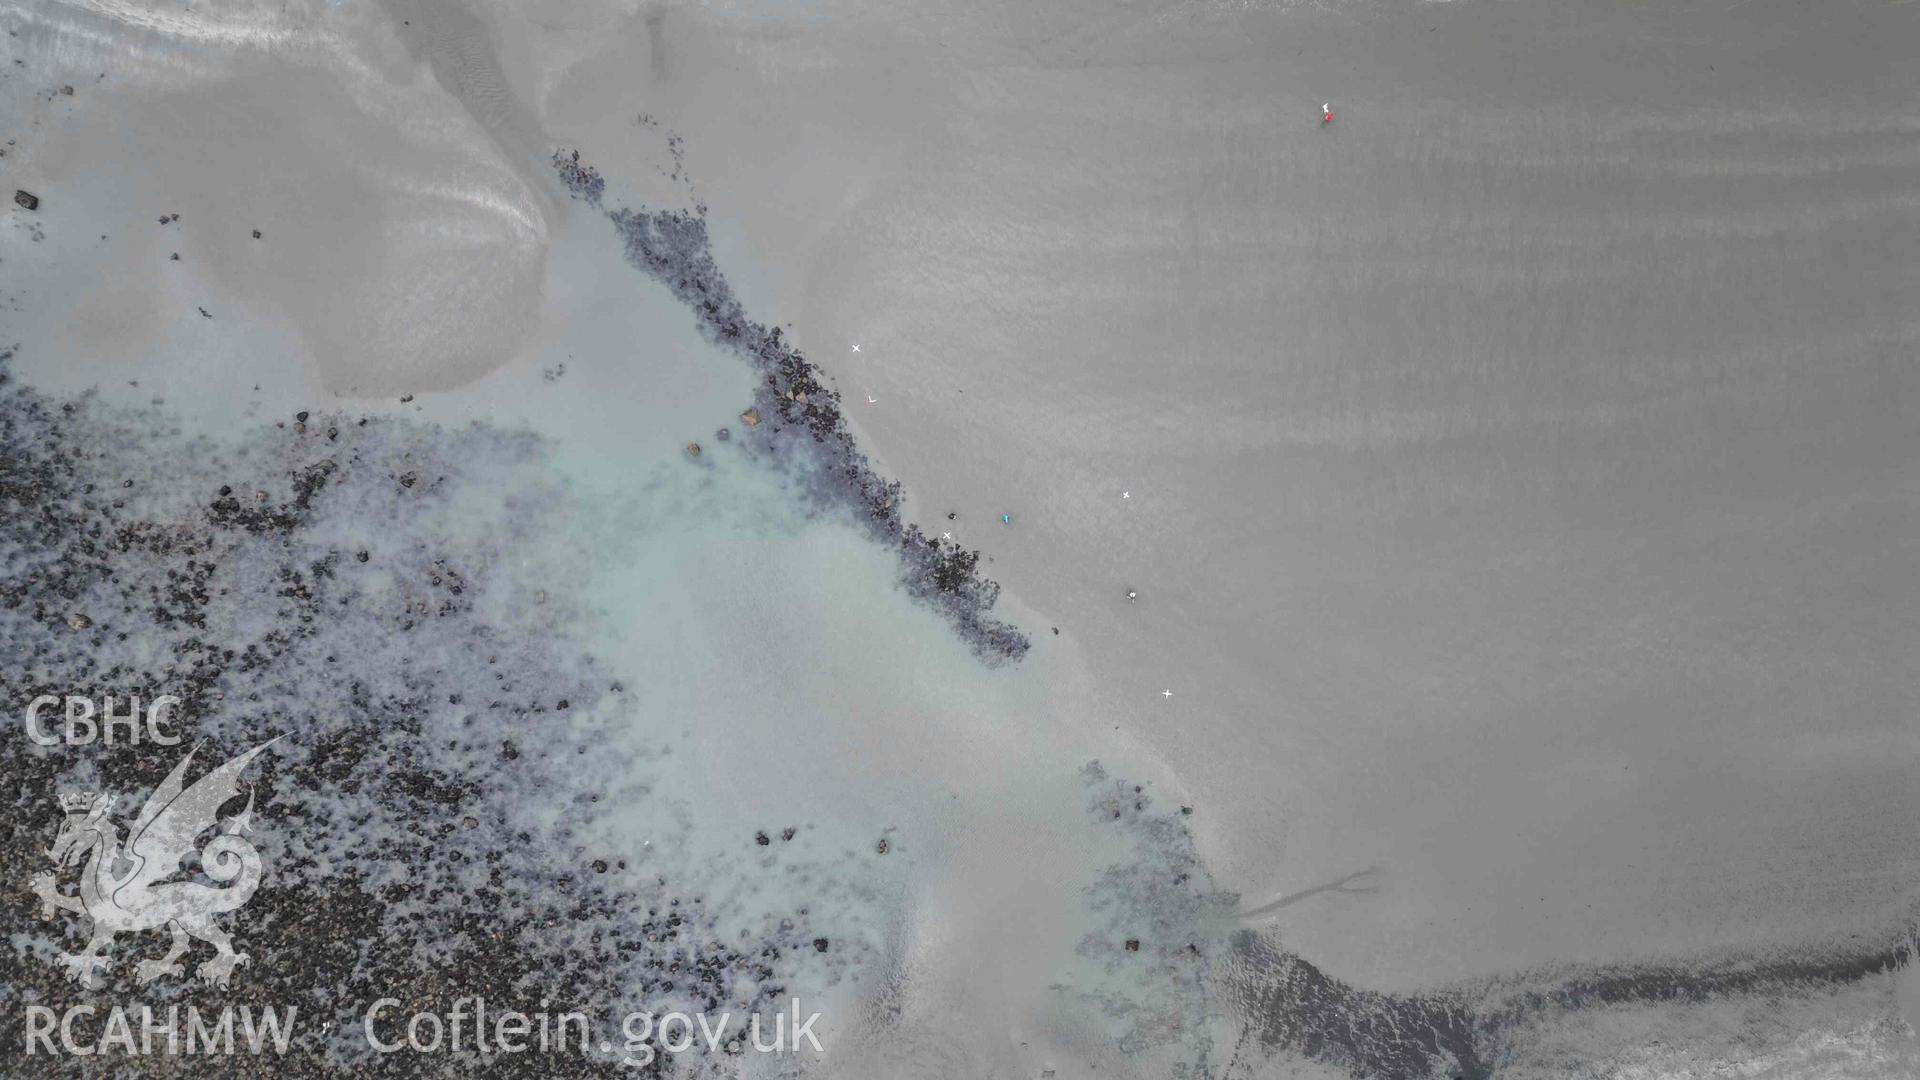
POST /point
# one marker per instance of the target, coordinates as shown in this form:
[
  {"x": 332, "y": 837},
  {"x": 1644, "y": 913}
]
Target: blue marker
[{"x": 1006, "y": 519}]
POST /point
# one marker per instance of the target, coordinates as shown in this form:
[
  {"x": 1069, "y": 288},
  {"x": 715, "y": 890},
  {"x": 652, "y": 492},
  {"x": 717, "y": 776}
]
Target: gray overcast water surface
[{"x": 1522, "y": 467}]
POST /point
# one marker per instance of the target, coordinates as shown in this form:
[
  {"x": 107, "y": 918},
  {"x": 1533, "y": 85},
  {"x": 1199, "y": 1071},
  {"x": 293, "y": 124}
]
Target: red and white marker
[{"x": 1326, "y": 113}]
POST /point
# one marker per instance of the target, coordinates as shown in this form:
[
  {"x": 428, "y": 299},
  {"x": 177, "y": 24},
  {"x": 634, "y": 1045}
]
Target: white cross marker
[{"x": 1166, "y": 693}]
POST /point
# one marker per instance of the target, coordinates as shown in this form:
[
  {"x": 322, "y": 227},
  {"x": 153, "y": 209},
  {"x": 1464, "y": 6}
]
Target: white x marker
[
  {"x": 856, "y": 348},
  {"x": 1126, "y": 494},
  {"x": 946, "y": 536}
]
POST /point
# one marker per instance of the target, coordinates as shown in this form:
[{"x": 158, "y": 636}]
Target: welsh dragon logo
[{"x": 143, "y": 886}]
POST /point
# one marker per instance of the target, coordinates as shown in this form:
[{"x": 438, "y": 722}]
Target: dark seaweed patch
[
  {"x": 1155, "y": 917},
  {"x": 406, "y": 855}
]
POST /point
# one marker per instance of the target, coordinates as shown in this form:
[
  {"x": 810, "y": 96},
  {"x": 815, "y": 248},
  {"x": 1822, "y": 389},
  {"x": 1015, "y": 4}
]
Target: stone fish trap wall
[
  {"x": 1907, "y": 985},
  {"x": 1532, "y": 1024},
  {"x": 803, "y": 425}
]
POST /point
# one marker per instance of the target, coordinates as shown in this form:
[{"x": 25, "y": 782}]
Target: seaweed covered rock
[{"x": 797, "y": 417}]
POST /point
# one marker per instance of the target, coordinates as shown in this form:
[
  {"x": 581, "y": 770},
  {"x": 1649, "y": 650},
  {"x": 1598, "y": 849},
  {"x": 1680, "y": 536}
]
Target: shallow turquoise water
[{"x": 724, "y": 695}]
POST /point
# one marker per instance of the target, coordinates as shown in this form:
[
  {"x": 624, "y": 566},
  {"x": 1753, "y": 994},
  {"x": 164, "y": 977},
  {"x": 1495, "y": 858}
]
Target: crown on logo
[{"x": 74, "y": 802}]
